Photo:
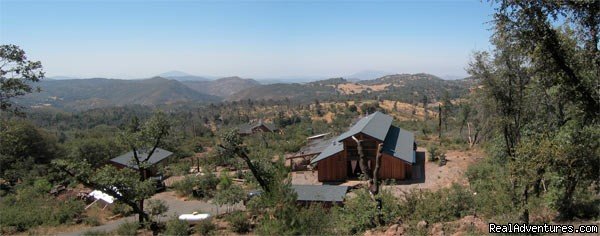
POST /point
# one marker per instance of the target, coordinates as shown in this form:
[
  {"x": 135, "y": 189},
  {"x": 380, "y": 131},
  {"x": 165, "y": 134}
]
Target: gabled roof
[
  {"x": 247, "y": 128},
  {"x": 375, "y": 125},
  {"x": 127, "y": 159},
  {"x": 320, "y": 193},
  {"x": 400, "y": 144},
  {"x": 333, "y": 148},
  {"x": 314, "y": 146}
]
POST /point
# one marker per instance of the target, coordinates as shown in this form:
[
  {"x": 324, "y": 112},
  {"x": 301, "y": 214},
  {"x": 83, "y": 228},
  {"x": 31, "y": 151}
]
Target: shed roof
[
  {"x": 400, "y": 144},
  {"x": 247, "y": 128},
  {"x": 314, "y": 146},
  {"x": 320, "y": 193},
  {"x": 375, "y": 125},
  {"x": 333, "y": 148},
  {"x": 127, "y": 159}
]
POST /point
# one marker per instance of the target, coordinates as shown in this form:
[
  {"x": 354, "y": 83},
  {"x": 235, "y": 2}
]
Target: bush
[
  {"x": 121, "y": 208},
  {"x": 176, "y": 227},
  {"x": 360, "y": 212},
  {"x": 238, "y": 222},
  {"x": 91, "y": 221},
  {"x": 205, "y": 227},
  {"x": 198, "y": 186},
  {"x": 29, "y": 208},
  {"x": 127, "y": 228},
  {"x": 443, "y": 205},
  {"x": 156, "y": 207},
  {"x": 433, "y": 151}
]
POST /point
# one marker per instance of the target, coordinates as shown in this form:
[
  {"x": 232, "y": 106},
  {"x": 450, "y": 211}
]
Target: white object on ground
[
  {"x": 97, "y": 194},
  {"x": 194, "y": 216}
]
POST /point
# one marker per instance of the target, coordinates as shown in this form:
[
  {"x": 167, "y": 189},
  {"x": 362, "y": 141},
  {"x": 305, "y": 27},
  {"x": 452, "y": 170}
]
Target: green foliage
[
  {"x": 28, "y": 207},
  {"x": 490, "y": 183},
  {"x": 229, "y": 195},
  {"x": 177, "y": 227},
  {"x": 119, "y": 208},
  {"x": 443, "y": 205},
  {"x": 202, "y": 186},
  {"x": 239, "y": 222},
  {"x": 360, "y": 212},
  {"x": 128, "y": 228},
  {"x": 25, "y": 150},
  {"x": 156, "y": 207},
  {"x": 91, "y": 221},
  {"x": 16, "y": 76},
  {"x": 434, "y": 153},
  {"x": 205, "y": 227}
]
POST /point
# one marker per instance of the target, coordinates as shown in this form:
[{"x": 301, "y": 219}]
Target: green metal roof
[
  {"x": 375, "y": 125},
  {"x": 333, "y": 148},
  {"x": 320, "y": 193},
  {"x": 127, "y": 159},
  {"x": 400, "y": 144}
]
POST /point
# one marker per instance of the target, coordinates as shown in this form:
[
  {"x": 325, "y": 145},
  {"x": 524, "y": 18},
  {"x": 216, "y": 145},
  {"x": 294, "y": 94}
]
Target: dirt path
[
  {"x": 437, "y": 177},
  {"x": 176, "y": 205}
]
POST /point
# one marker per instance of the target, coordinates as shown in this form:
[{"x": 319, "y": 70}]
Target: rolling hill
[
  {"x": 81, "y": 94},
  {"x": 223, "y": 87},
  {"x": 403, "y": 87}
]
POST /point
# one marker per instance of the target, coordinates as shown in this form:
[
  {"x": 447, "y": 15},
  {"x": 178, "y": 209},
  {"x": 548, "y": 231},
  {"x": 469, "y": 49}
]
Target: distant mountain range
[{"x": 81, "y": 94}]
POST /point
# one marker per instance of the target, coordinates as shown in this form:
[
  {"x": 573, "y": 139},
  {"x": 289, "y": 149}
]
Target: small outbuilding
[
  {"x": 127, "y": 160},
  {"x": 325, "y": 194},
  {"x": 260, "y": 126}
]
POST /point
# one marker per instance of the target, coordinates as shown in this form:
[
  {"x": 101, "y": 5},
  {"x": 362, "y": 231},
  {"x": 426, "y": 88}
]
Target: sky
[{"x": 251, "y": 39}]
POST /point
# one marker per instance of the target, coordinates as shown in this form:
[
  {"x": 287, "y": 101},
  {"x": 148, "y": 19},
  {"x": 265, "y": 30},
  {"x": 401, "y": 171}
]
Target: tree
[
  {"x": 129, "y": 186},
  {"x": 541, "y": 81},
  {"x": 25, "y": 150},
  {"x": 232, "y": 145},
  {"x": 16, "y": 75}
]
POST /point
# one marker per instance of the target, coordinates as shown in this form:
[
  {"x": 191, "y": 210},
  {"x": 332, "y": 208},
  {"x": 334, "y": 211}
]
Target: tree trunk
[
  {"x": 525, "y": 213},
  {"x": 375, "y": 183},
  {"x": 263, "y": 184},
  {"x": 363, "y": 161},
  {"x": 440, "y": 123},
  {"x": 142, "y": 216}
]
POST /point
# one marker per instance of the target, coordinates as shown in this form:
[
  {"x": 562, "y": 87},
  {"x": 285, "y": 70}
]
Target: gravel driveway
[{"x": 176, "y": 205}]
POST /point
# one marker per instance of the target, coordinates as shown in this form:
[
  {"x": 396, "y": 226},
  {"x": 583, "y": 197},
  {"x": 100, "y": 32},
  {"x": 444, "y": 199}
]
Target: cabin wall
[
  {"x": 392, "y": 168},
  {"x": 332, "y": 169}
]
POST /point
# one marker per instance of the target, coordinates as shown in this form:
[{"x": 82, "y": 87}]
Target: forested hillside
[{"x": 79, "y": 94}]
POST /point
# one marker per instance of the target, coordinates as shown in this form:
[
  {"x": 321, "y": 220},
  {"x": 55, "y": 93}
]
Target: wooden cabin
[
  {"x": 339, "y": 161},
  {"x": 260, "y": 126},
  {"x": 127, "y": 160}
]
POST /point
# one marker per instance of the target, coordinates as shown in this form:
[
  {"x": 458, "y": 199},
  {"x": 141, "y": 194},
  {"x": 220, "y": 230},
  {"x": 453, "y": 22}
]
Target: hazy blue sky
[{"x": 259, "y": 39}]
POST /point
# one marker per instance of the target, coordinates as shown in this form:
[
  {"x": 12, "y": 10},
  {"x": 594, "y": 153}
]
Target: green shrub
[
  {"x": 91, "y": 221},
  {"x": 489, "y": 181},
  {"x": 68, "y": 210},
  {"x": 433, "y": 151},
  {"x": 360, "y": 212},
  {"x": 205, "y": 227},
  {"x": 121, "y": 208},
  {"x": 443, "y": 205},
  {"x": 238, "y": 222},
  {"x": 198, "y": 186},
  {"x": 127, "y": 228},
  {"x": 28, "y": 208},
  {"x": 177, "y": 227}
]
